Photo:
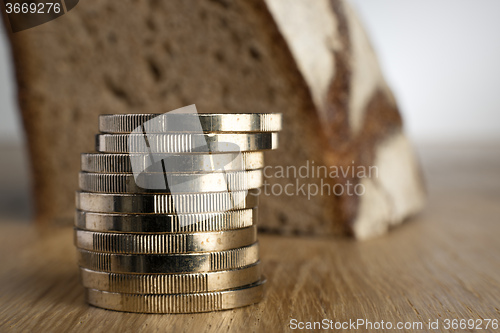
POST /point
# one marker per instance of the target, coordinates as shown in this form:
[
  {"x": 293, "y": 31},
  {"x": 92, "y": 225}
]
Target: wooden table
[{"x": 443, "y": 264}]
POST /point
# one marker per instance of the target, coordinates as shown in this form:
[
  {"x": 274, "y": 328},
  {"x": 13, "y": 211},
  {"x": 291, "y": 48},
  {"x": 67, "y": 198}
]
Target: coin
[
  {"x": 169, "y": 263},
  {"x": 166, "y": 223},
  {"x": 170, "y": 182},
  {"x": 172, "y": 122},
  {"x": 166, "y": 203},
  {"x": 121, "y": 163},
  {"x": 111, "y": 242},
  {"x": 185, "y": 143},
  {"x": 178, "y": 303},
  {"x": 170, "y": 283},
  {"x": 167, "y": 210}
]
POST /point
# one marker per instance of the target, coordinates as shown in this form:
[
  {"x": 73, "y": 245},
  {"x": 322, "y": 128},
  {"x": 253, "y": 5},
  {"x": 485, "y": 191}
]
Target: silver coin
[
  {"x": 172, "y": 122},
  {"x": 169, "y": 263},
  {"x": 166, "y": 203},
  {"x": 170, "y": 283},
  {"x": 186, "y": 143},
  {"x": 178, "y": 303},
  {"x": 170, "y": 182},
  {"x": 121, "y": 163},
  {"x": 166, "y": 223},
  {"x": 112, "y": 242}
]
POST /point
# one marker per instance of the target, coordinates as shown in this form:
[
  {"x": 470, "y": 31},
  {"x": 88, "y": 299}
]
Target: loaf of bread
[{"x": 344, "y": 165}]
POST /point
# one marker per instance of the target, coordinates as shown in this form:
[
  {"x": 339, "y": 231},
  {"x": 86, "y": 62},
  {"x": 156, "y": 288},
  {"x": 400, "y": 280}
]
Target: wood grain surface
[{"x": 443, "y": 264}]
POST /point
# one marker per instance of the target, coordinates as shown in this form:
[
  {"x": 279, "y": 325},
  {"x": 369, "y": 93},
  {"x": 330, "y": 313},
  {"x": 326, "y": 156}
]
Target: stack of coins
[{"x": 166, "y": 212}]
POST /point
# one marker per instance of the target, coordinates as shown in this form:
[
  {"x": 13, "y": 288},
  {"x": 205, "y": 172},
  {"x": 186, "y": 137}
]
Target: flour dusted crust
[{"x": 313, "y": 63}]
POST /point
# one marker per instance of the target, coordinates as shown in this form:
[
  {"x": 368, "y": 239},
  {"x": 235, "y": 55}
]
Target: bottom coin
[
  {"x": 170, "y": 283},
  {"x": 177, "y": 303}
]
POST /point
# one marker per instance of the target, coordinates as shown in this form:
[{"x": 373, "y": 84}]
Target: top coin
[{"x": 190, "y": 123}]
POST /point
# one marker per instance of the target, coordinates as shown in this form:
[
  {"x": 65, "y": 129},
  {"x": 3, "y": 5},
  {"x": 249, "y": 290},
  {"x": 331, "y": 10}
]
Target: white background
[{"x": 441, "y": 57}]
